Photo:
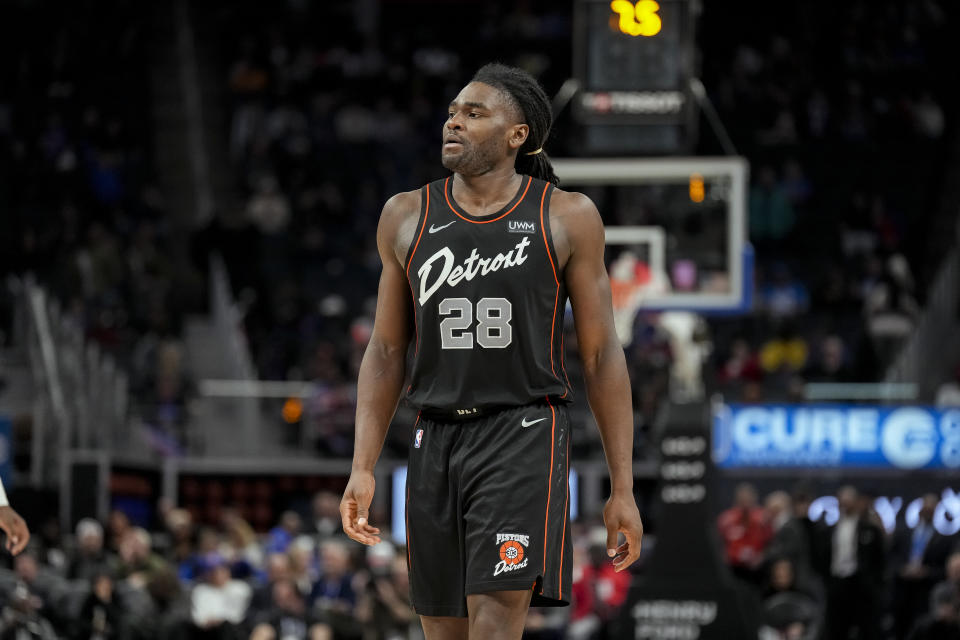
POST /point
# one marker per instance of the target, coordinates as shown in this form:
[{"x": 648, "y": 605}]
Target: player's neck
[{"x": 486, "y": 193}]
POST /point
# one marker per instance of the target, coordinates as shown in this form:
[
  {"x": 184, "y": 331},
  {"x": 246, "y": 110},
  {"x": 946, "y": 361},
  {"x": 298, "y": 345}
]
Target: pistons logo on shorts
[
  {"x": 512, "y": 554},
  {"x": 418, "y": 439}
]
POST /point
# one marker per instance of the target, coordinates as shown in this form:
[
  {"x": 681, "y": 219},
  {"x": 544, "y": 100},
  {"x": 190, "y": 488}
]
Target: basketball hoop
[
  {"x": 706, "y": 272},
  {"x": 629, "y": 278}
]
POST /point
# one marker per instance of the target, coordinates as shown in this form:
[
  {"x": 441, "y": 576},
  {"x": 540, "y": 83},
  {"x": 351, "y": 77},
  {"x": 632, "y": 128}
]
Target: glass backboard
[{"x": 674, "y": 226}]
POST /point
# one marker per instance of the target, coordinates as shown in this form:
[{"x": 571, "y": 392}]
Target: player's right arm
[{"x": 382, "y": 370}]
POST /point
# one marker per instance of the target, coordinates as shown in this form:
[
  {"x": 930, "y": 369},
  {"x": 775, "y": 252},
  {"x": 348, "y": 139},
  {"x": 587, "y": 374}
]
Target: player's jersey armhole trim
[
  {"x": 447, "y": 190},
  {"x": 424, "y": 212},
  {"x": 425, "y": 205},
  {"x": 553, "y": 268},
  {"x": 547, "y": 233}
]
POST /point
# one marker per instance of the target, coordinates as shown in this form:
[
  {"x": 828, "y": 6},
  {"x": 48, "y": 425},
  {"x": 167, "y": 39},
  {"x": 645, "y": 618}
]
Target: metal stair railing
[
  {"x": 83, "y": 400},
  {"x": 54, "y": 418},
  {"x": 227, "y": 318},
  {"x": 934, "y": 347}
]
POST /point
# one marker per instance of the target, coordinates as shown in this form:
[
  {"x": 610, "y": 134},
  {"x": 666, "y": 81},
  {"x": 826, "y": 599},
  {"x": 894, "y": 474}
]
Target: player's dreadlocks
[{"x": 530, "y": 98}]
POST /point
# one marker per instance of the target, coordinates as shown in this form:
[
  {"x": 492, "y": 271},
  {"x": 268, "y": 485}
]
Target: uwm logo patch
[
  {"x": 521, "y": 226},
  {"x": 512, "y": 553}
]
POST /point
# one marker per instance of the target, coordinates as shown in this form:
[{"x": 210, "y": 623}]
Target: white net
[{"x": 631, "y": 279}]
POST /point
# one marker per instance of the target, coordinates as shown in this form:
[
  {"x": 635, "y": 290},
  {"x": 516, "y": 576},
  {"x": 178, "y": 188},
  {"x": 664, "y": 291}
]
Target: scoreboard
[{"x": 633, "y": 61}]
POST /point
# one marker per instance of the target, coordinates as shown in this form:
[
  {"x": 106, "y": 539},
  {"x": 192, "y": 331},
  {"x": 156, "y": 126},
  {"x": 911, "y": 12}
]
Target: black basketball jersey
[{"x": 488, "y": 300}]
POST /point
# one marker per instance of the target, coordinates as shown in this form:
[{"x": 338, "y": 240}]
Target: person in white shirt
[
  {"x": 219, "y": 603},
  {"x": 843, "y": 559}
]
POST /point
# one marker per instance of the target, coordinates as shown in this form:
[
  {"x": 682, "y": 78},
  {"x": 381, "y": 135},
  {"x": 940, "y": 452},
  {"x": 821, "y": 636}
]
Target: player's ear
[{"x": 518, "y": 135}]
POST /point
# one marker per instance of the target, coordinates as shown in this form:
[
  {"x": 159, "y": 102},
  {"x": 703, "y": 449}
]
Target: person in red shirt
[
  {"x": 583, "y": 587},
  {"x": 610, "y": 586},
  {"x": 745, "y": 533}
]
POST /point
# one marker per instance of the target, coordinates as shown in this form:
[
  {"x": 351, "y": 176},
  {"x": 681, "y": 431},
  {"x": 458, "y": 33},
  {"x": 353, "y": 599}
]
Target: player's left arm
[{"x": 578, "y": 234}]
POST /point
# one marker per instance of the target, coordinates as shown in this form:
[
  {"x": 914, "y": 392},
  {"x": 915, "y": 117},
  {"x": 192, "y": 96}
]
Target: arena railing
[
  {"x": 50, "y": 411},
  {"x": 83, "y": 401},
  {"x": 228, "y": 318},
  {"x": 932, "y": 349}
]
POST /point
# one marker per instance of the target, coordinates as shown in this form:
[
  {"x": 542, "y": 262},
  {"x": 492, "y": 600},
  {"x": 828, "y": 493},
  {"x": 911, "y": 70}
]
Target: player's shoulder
[
  {"x": 398, "y": 223},
  {"x": 402, "y": 205},
  {"x": 575, "y": 210},
  {"x": 399, "y": 211}
]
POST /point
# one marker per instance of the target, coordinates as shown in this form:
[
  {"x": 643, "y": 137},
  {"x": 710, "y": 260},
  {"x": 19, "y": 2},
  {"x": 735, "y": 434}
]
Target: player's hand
[
  {"x": 622, "y": 516},
  {"x": 355, "y": 508},
  {"x": 16, "y": 529}
]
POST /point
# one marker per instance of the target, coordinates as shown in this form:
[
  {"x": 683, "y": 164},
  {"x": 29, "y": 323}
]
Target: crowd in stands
[
  {"x": 329, "y": 118},
  {"x": 300, "y": 580},
  {"x": 331, "y": 111},
  {"x": 82, "y": 209},
  {"x": 841, "y": 568},
  {"x": 845, "y": 122},
  {"x": 842, "y": 111},
  {"x": 816, "y": 567},
  {"x": 844, "y": 128}
]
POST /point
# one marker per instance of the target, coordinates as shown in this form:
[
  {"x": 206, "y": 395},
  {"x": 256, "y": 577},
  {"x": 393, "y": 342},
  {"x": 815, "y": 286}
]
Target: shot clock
[{"x": 633, "y": 60}]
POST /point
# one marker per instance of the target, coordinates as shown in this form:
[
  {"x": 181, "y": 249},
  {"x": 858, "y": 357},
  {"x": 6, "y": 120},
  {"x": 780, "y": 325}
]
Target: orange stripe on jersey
[
  {"x": 563, "y": 367},
  {"x": 546, "y": 519},
  {"x": 462, "y": 217},
  {"x": 566, "y": 514},
  {"x": 556, "y": 299},
  {"x": 426, "y": 214}
]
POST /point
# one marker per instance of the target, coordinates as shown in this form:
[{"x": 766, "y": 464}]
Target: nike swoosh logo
[
  {"x": 524, "y": 423},
  {"x": 434, "y": 229}
]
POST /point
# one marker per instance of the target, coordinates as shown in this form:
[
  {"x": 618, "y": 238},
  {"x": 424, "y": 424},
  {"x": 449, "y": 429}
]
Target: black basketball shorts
[{"x": 488, "y": 509}]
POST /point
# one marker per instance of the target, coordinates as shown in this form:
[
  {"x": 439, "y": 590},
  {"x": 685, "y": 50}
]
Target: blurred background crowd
[
  {"x": 326, "y": 115},
  {"x": 300, "y": 579},
  {"x": 327, "y": 109},
  {"x": 842, "y": 570},
  {"x": 812, "y": 567}
]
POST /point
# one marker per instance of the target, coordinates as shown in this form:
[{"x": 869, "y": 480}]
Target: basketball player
[
  {"x": 477, "y": 269},
  {"x": 13, "y": 525}
]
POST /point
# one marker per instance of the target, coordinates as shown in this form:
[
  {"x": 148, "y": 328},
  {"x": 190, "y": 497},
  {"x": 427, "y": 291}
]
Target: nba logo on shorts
[{"x": 417, "y": 439}]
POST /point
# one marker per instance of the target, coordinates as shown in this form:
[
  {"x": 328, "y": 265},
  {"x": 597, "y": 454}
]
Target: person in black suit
[
  {"x": 856, "y": 558},
  {"x": 792, "y": 532},
  {"x": 918, "y": 558}
]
